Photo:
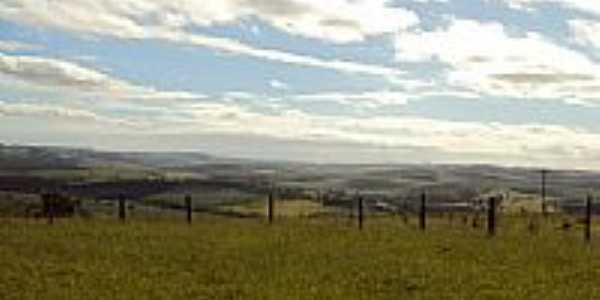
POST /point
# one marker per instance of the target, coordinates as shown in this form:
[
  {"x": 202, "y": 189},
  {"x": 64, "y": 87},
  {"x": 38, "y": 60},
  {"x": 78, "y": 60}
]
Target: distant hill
[
  {"x": 28, "y": 157},
  {"x": 47, "y": 157},
  {"x": 399, "y": 178}
]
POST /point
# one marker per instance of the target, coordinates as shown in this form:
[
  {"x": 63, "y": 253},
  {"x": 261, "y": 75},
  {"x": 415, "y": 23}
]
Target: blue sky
[{"x": 510, "y": 82}]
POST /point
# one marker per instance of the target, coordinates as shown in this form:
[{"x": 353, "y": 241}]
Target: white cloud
[
  {"x": 278, "y": 85},
  {"x": 479, "y": 58},
  {"x": 333, "y": 20},
  {"x": 11, "y": 46},
  {"x": 371, "y": 99},
  {"x": 255, "y": 30},
  {"x": 472, "y": 139},
  {"x": 238, "y": 95},
  {"x": 581, "y": 5},
  {"x": 526, "y": 66},
  {"x": 54, "y": 73},
  {"x": 336, "y": 20},
  {"x": 585, "y": 32},
  {"x": 59, "y": 112},
  {"x": 406, "y": 90},
  {"x": 579, "y": 102},
  {"x": 237, "y": 48}
]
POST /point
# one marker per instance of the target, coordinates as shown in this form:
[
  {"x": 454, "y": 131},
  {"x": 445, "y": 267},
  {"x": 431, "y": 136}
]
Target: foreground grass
[{"x": 218, "y": 258}]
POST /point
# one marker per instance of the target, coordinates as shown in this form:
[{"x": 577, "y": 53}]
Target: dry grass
[{"x": 221, "y": 258}]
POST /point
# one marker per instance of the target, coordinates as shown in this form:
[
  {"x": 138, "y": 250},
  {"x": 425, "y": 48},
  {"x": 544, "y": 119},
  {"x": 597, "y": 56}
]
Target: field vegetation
[
  {"x": 294, "y": 258},
  {"x": 313, "y": 250}
]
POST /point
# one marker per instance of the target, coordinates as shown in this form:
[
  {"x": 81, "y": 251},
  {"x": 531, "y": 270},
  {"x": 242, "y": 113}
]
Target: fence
[
  {"x": 360, "y": 208},
  {"x": 357, "y": 208}
]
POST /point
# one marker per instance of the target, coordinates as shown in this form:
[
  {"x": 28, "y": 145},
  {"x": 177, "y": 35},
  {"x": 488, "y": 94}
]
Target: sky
[{"x": 509, "y": 82}]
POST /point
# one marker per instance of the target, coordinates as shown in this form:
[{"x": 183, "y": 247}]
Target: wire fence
[{"x": 560, "y": 202}]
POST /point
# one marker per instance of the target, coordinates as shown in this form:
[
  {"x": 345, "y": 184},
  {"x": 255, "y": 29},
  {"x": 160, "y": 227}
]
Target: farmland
[
  {"x": 225, "y": 258},
  {"x": 313, "y": 249}
]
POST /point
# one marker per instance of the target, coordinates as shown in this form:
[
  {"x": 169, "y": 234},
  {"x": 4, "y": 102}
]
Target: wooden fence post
[
  {"x": 405, "y": 218},
  {"x": 475, "y": 219},
  {"x": 423, "y": 212},
  {"x": 360, "y": 213},
  {"x": 270, "y": 207},
  {"x": 465, "y": 219},
  {"x": 588, "y": 219},
  {"x": 188, "y": 207},
  {"x": 122, "y": 214},
  {"x": 492, "y": 216},
  {"x": 532, "y": 225},
  {"x": 50, "y": 199},
  {"x": 543, "y": 191}
]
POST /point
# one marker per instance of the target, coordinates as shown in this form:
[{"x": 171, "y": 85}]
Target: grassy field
[
  {"x": 287, "y": 208},
  {"x": 226, "y": 258}
]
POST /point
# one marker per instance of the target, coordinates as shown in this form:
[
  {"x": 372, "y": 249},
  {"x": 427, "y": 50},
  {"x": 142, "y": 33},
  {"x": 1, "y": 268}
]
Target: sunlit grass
[
  {"x": 287, "y": 208},
  {"x": 316, "y": 258}
]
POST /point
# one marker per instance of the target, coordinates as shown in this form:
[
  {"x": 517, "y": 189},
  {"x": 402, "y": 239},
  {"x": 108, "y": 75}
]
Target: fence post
[
  {"x": 543, "y": 190},
  {"x": 122, "y": 214},
  {"x": 49, "y": 202},
  {"x": 270, "y": 207},
  {"x": 465, "y": 219},
  {"x": 475, "y": 220},
  {"x": 588, "y": 218},
  {"x": 423, "y": 212},
  {"x": 188, "y": 207},
  {"x": 360, "y": 213},
  {"x": 405, "y": 218},
  {"x": 532, "y": 225},
  {"x": 492, "y": 216}
]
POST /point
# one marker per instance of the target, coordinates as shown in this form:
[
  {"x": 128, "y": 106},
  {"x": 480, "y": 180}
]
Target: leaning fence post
[
  {"x": 492, "y": 216},
  {"x": 270, "y": 207},
  {"x": 188, "y": 207},
  {"x": 122, "y": 208},
  {"x": 588, "y": 218},
  {"x": 360, "y": 213},
  {"x": 423, "y": 212}
]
